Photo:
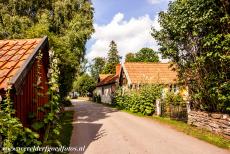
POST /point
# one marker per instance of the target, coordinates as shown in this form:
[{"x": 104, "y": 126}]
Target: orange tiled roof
[
  {"x": 110, "y": 79},
  {"x": 103, "y": 76},
  {"x": 13, "y": 55},
  {"x": 150, "y": 73}
]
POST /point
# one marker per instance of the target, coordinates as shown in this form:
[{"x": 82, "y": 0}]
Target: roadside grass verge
[
  {"x": 66, "y": 131},
  {"x": 199, "y": 133},
  {"x": 202, "y": 134}
]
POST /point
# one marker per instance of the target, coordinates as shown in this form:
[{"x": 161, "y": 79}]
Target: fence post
[
  {"x": 158, "y": 107},
  {"x": 188, "y": 106}
]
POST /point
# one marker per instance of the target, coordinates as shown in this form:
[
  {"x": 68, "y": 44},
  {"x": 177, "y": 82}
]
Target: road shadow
[
  {"x": 90, "y": 112},
  {"x": 86, "y": 123},
  {"x": 85, "y": 133}
]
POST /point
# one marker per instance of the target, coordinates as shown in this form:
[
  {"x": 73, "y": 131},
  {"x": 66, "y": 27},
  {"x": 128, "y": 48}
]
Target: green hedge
[{"x": 139, "y": 101}]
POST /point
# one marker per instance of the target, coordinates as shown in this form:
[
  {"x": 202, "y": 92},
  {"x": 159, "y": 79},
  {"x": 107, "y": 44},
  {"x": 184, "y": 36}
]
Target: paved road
[{"x": 103, "y": 130}]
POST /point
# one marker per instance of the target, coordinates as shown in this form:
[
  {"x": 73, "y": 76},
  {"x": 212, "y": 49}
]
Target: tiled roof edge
[
  {"x": 127, "y": 74},
  {"x": 33, "y": 55}
]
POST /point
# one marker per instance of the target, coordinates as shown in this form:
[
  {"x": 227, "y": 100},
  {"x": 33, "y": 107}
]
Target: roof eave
[
  {"x": 21, "y": 74},
  {"x": 127, "y": 75}
]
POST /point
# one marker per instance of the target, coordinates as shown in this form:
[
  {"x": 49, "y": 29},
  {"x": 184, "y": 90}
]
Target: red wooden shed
[{"x": 24, "y": 68}]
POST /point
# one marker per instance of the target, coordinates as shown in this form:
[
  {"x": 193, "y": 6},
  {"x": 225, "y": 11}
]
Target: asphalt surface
[{"x": 104, "y": 130}]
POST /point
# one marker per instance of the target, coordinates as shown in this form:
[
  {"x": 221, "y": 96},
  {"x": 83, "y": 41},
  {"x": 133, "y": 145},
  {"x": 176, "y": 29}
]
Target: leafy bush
[
  {"x": 11, "y": 129},
  {"x": 174, "y": 99},
  {"x": 141, "y": 101},
  {"x": 174, "y": 106}
]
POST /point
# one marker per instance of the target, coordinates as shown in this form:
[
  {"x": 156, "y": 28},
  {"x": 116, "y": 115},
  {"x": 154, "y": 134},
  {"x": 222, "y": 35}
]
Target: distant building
[
  {"x": 136, "y": 74},
  {"x": 107, "y": 84},
  {"x": 133, "y": 75}
]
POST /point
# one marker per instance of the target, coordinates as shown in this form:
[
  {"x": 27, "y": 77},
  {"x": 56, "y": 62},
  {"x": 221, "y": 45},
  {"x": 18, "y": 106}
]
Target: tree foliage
[
  {"x": 112, "y": 60},
  {"x": 195, "y": 35},
  {"x": 67, "y": 23},
  {"x": 97, "y": 67},
  {"x": 130, "y": 57},
  {"x": 144, "y": 55},
  {"x": 84, "y": 84}
]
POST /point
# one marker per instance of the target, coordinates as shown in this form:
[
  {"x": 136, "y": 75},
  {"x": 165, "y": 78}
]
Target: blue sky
[
  {"x": 127, "y": 22},
  {"x": 106, "y": 9}
]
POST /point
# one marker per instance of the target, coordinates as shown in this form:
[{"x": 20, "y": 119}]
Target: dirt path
[{"x": 103, "y": 130}]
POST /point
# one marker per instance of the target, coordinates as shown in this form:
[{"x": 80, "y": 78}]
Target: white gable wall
[{"x": 106, "y": 96}]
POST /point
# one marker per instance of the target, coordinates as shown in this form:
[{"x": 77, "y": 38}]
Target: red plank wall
[{"x": 25, "y": 101}]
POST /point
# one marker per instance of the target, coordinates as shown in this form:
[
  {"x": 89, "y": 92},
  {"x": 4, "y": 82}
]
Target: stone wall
[{"x": 218, "y": 123}]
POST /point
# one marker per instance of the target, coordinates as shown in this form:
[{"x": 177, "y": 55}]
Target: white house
[{"x": 107, "y": 85}]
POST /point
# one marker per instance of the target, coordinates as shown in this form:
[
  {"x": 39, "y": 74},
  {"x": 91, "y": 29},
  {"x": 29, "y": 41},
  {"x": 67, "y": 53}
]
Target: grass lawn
[
  {"x": 196, "y": 132},
  {"x": 66, "y": 131}
]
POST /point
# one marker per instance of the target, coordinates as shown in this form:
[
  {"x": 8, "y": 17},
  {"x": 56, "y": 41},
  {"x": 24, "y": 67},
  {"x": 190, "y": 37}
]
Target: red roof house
[
  {"x": 136, "y": 73},
  {"x": 107, "y": 85},
  {"x": 25, "y": 73}
]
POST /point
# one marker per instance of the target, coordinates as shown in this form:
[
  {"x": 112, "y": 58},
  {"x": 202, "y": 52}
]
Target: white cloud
[
  {"x": 154, "y": 1},
  {"x": 130, "y": 35}
]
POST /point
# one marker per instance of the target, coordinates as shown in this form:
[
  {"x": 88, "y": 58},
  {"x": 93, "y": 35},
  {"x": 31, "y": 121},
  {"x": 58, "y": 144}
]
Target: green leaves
[
  {"x": 37, "y": 125},
  {"x": 191, "y": 38},
  {"x": 97, "y": 67},
  {"x": 84, "y": 84},
  {"x": 112, "y": 60},
  {"x": 144, "y": 55},
  {"x": 142, "y": 101}
]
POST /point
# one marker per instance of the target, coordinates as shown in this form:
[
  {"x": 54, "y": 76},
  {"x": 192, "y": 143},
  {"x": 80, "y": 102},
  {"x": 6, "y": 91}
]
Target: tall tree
[
  {"x": 144, "y": 55},
  {"x": 130, "y": 57},
  {"x": 195, "y": 35},
  {"x": 84, "y": 84},
  {"x": 112, "y": 60},
  {"x": 68, "y": 25},
  {"x": 147, "y": 55},
  {"x": 97, "y": 67}
]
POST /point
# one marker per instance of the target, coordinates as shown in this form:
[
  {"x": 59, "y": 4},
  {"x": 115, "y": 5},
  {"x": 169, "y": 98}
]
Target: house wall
[
  {"x": 106, "y": 97},
  {"x": 29, "y": 99}
]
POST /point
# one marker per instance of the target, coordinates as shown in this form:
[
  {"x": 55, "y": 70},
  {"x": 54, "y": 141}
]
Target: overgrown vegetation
[
  {"x": 11, "y": 130},
  {"x": 191, "y": 38},
  {"x": 174, "y": 106},
  {"x": 139, "y": 101}
]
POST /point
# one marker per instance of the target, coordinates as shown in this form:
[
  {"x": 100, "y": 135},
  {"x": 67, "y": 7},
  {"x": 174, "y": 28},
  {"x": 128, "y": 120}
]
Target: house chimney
[{"x": 118, "y": 69}]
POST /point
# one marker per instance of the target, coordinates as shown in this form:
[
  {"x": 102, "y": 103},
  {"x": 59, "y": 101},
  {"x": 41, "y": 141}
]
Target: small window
[
  {"x": 173, "y": 88},
  {"x": 170, "y": 88}
]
